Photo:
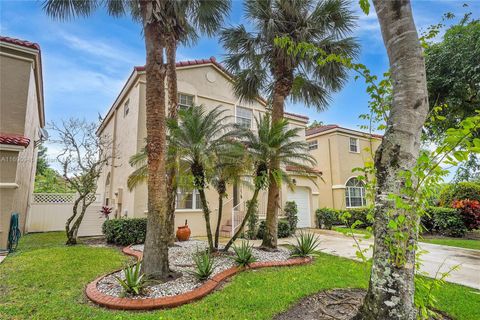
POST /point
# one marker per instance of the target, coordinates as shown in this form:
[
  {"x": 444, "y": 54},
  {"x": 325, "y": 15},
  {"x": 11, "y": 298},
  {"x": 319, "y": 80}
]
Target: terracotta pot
[{"x": 183, "y": 232}]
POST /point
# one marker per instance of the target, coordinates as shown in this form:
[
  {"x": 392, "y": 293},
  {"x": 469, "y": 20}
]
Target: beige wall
[{"x": 337, "y": 162}]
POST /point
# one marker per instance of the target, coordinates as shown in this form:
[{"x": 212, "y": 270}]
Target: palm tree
[
  {"x": 273, "y": 143},
  {"x": 260, "y": 67},
  {"x": 149, "y": 12},
  {"x": 198, "y": 137},
  {"x": 184, "y": 20}
]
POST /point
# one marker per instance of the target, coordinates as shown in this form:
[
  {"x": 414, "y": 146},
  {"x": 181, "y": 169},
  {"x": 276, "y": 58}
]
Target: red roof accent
[
  {"x": 191, "y": 63},
  {"x": 14, "y": 139},
  {"x": 23, "y": 43},
  {"x": 322, "y": 128},
  {"x": 296, "y": 115},
  {"x": 294, "y": 168}
]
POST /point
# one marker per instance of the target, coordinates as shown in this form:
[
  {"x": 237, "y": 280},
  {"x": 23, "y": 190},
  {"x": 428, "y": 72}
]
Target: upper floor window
[
  {"x": 244, "y": 117},
  {"x": 312, "y": 145},
  {"x": 354, "y": 145},
  {"x": 126, "y": 108},
  {"x": 355, "y": 193},
  {"x": 185, "y": 101},
  {"x": 188, "y": 199}
]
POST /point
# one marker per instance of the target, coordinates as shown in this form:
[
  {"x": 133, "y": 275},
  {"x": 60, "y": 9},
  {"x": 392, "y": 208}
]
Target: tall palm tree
[
  {"x": 149, "y": 13},
  {"x": 260, "y": 67},
  {"x": 274, "y": 143},
  {"x": 184, "y": 20},
  {"x": 197, "y": 138}
]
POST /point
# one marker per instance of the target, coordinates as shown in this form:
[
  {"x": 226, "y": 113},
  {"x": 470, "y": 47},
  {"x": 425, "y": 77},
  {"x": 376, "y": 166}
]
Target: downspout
[
  {"x": 114, "y": 152},
  {"x": 331, "y": 172}
]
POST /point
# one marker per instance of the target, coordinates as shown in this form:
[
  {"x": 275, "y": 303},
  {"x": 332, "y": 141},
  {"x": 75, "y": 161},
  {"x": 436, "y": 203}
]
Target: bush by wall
[
  {"x": 459, "y": 191},
  {"x": 282, "y": 232},
  {"x": 125, "y": 232},
  {"x": 327, "y": 217},
  {"x": 291, "y": 212},
  {"x": 351, "y": 216}
]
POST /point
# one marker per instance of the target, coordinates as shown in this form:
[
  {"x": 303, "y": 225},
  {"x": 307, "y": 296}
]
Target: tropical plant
[
  {"x": 270, "y": 144},
  {"x": 252, "y": 222},
  {"x": 140, "y": 174},
  {"x": 134, "y": 281},
  {"x": 198, "y": 138},
  {"x": 243, "y": 254},
  {"x": 469, "y": 211},
  {"x": 306, "y": 245},
  {"x": 204, "y": 264},
  {"x": 291, "y": 213},
  {"x": 260, "y": 67},
  {"x": 151, "y": 15}
]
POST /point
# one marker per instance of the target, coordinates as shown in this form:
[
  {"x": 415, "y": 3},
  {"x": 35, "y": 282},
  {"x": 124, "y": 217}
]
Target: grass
[
  {"x": 45, "y": 280},
  {"x": 452, "y": 242}
]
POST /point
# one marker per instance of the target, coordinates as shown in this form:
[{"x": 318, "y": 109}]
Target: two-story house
[
  {"x": 200, "y": 82},
  {"x": 21, "y": 121}
]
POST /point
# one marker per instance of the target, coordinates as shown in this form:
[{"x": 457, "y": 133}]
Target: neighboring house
[
  {"x": 21, "y": 121},
  {"x": 338, "y": 151},
  {"x": 200, "y": 82}
]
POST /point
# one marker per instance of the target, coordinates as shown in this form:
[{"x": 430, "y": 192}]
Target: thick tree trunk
[
  {"x": 219, "y": 218},
  {"x": 281, "y": 90},
  {"x": 250, "y": 209},
  {"x": 391, "y": 288},
  {"x": 155, "y": 257},
  {"x": 173, "y": 116},
  {"x": 206, "y": 214}
]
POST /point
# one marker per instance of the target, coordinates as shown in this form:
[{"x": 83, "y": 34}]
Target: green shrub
[
  {"x": 252, "y": 221},
  {"x": 306, "y": 245},
  {"x": 282, "y": 232},
  {"x": 204, "y": 264},
  {"x": 358, "y": 216},
  {"x": 327, "y": 217},
  {"x": 125, "y": 232},
  {"x": 459, "y": 191},
  {"x": 134, "y": 281},
  {"x": 291, "y": 212},
  {"x": 243, "y": 254},
  {"x": 447, "y": 221}
]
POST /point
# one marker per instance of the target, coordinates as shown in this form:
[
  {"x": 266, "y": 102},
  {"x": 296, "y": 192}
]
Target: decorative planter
[{"x": 183, "y": 232}]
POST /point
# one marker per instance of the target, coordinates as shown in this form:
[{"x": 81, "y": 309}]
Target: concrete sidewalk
[{"x": 437, "y": 256}]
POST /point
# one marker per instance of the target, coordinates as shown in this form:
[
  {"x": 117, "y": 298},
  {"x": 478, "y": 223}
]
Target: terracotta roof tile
[
  {"x": 14, "y": 139},
  {"x": 319, "y": 129},
  {"x": 18, "y": 42}
]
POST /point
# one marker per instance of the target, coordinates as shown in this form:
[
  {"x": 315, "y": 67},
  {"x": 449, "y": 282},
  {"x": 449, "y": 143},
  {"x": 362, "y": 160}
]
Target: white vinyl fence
[{"x": 50, "y": 211}]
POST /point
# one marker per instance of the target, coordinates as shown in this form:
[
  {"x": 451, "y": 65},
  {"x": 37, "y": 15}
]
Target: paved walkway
[{"x": 438, "y": 256}]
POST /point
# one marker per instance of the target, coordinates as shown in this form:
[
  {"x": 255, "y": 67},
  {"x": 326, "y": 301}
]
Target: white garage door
[{"x": 301, "y": 196}]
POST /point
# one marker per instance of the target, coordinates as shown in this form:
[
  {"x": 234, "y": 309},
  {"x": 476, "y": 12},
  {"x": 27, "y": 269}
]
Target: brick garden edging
[{"x": 111, "y": 302}]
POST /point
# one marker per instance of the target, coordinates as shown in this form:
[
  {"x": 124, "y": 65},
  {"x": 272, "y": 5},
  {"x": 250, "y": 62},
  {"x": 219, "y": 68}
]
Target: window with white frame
[
  {"x": 185, "y": 101},
  {"x": 355, "y": 193},
  {"x": 188, "y": 200},
  {"x": 312, "y": 145},
  {"x": 354, "y": 145},
  {"x": 126, "y": 108},
  {"x": 244, "y": 117}
]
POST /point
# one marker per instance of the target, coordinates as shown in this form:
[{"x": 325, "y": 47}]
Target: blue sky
[{"x": 87, "y": 60}]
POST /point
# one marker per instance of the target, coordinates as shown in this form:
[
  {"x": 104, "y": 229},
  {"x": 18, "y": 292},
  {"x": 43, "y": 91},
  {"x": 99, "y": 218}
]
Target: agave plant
[
  {"x": 134, "y": 281},
  {"x": 243, "y": 254},
  {"x": 204, "y": 264},
  {"x": 306, "y": 245}
]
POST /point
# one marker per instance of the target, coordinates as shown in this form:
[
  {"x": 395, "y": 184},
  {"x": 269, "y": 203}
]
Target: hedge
[
  {"x": 125, "y": 232},
  {"x": 282, "y": 232},
  {"x": 328, "y": 217},
  {"x": 445, "y": 221},
  {"x": 459, "y": 191}
]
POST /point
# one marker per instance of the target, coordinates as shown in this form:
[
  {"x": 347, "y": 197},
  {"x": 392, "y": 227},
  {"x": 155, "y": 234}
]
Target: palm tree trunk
[
  {"x": 219, "y": 218},
  {"x": 250, "y": 210},
  {"x": 171, "y": 46},
  {"x": 281, "y": 90},
  {"x": 206, "y": 214},
  {"x": 391, "y": 289},
  {"x": 155, "y": 258}
]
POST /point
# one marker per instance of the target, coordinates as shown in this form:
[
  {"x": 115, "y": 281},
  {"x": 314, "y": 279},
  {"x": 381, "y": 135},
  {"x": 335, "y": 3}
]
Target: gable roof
[
  {"x": 334, "y": 127},
  {"x": 22, "y": 43}
]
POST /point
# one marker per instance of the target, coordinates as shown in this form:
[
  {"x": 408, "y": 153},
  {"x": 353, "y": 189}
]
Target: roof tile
[
  {"x": 18, "y": 42},
  {"x": 14, "y": 139}
]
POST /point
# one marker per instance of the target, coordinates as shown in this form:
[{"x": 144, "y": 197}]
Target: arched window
[
  {"x": 107, "y": 181},
  {"x": 355, "y": 193}
]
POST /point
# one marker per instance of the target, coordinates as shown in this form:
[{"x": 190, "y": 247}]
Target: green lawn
[
  {"x": 45, "y": 280},
  {"x": 453, "y": 242}
]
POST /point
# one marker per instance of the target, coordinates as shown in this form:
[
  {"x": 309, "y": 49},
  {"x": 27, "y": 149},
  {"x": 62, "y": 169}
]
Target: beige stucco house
[
  {"x": 338, "y": 152},
  {"x": 21, "y": 120},
  {"x": 200, "y": 82}
]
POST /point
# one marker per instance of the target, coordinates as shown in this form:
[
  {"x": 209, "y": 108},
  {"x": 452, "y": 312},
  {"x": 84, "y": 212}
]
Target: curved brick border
[{"x": 174, "y": 301}]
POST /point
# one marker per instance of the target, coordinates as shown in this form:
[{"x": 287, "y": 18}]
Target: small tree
[
  {"x": 82, "y": 156},
  {"x": 291, "y": 212}
]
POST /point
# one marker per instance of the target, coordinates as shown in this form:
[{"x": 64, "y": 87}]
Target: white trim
[
  {"x": 239, "y": 117},
  {"x": 11, "y": 147},
  {"x": 8, "y": 185},
  {"x": 14, "y": 56},
  {"x": 339, "y": 186},
  {"x": 357, "y": 145}
]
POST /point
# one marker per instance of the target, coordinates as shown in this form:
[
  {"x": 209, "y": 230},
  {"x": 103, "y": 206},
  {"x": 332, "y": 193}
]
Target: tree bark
[
  {"x": 155, "y": 258},
  {"x": 281, "y": 90},
  {"x": 71, "y": 240},
  {"x": 250, "y": 209},
  {"x": 206, "y": 214},
  {"x": 219, "y": 218},
  {"x": 171, "y": 46},
  {"x": 391, "y": 288}
]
